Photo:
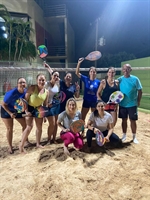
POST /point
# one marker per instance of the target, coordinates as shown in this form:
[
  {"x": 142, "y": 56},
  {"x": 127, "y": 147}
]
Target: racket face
[
  {"x": 77, "y": 126},
  {"x": 116, "y": 97},
  {"x": 42, "y": 51},
  {"x": 94, "y": 55},
  {"x": 100, "y": 138},
  {"x": 41, "y": 112},
  {"x": 20, "y": 105},
  {"x": 59, "y": 98}
]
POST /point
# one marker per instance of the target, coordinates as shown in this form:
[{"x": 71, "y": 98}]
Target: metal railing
[
  {"x": 54, "y": 10},
  {"x": 57, "y": 51}
]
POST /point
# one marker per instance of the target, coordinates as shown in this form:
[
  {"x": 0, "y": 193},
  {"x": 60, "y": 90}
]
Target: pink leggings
[{"x": 69, "y": 138}]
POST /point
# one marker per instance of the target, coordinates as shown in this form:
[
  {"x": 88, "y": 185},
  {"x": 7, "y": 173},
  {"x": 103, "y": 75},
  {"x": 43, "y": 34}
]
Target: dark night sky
[{"x": 124, "y": 24}]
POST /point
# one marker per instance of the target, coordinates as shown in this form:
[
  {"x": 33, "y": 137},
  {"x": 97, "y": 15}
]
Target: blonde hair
[{"x": 71, "y": 99}]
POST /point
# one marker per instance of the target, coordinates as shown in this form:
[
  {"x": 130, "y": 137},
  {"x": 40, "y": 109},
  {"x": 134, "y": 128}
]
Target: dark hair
[
  {"x": 39, "y": 75},
  {"x": 54, "y": 72},
  {"x": 20, "y": 78},
  {"x": 68, "y": 73},
  {"x": 92, "y": 68},
  {"x": 108, "y": 71},
  {"x": 96, "y": 111}
]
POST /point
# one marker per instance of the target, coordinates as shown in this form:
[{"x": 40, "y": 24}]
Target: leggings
[
  {"x": 69, "y": 138},
  {"x": 90, "y": 134}
]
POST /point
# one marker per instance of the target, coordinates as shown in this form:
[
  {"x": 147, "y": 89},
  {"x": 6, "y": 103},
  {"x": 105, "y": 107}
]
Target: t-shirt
[
  {"x": 101, "y": 123},
  {"x": 129, "y": 86},
  {"x": 66, "y": 120},
  {"x": 69, "y": 91},
  {"x": 11, "y": 96},
  {"x": 90, "y": 88}
]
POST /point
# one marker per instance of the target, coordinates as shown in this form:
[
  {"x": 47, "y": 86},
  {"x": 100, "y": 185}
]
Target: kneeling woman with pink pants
[{"x": 64, "y": 120}]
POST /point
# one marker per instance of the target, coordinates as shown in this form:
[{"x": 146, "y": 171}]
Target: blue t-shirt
[
  {"x": 11, "y": 96},
  {"x": 90, "y": 88},
  {"x": 69, "y": 91},
  {"x": 129, "y": 87}
]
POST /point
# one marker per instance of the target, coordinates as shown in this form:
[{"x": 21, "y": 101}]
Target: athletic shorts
[
  {"x": 110, "y": 107},
  {"x": 88, "y": 104},
  {"x": 5, "y": 114},
  {"x": 131, "y": 112},
  {"x": 54, "y": 110}
]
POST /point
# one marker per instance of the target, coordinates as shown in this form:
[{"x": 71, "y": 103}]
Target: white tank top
[{"x": 52, "y": 91}]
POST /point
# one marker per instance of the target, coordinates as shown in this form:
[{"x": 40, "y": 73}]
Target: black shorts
[
  {"x": 88, "y": 104},
  {"x": 5, "y": 114},
  {"x": 131, "y": 112}
]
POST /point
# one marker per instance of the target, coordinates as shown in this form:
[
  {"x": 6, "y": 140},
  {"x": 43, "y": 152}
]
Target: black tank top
[{"x": 108, "y": 90}]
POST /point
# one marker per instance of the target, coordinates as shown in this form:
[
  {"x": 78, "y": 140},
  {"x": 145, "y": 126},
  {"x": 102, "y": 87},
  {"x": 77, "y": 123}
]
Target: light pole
[{"x": 96, "y": 37}]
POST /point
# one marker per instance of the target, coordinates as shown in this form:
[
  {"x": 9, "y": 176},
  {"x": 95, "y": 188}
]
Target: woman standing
[
  {"x": 8, "y": 113},
  {"x": 64, "y": 121},
  {"x": 36, "y": 96},
  {"x": 106, "y": 88},
  {"x": 53, "y": 88},
  {"x": 91, "y": 85},
  {"x": 100, "y": 120}
]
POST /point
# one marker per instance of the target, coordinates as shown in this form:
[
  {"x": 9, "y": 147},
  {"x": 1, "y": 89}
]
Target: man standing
[{"x": 131, "y": 87}]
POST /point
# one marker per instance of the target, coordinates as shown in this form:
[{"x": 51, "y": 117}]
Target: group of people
[{"x": 103, "y": 116}]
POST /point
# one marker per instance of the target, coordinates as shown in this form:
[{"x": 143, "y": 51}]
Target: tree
[
  {"x": 18, "y": 34},
  {"x": 25, "y": 33}
]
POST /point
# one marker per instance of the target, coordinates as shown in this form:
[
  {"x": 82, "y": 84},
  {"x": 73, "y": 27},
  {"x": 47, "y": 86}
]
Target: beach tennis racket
[
  {"x": 116, "y": 97},
  {"x": 94, "y": 55},
  {"x": 20, "y": 105},
  {"x": 100, "y": 139},
  {"x": 41, "y": 111},
  {"x": 42, "y": 51},
  {"x": 59, "y": 98},
  {"x": 77, "y": 126}
]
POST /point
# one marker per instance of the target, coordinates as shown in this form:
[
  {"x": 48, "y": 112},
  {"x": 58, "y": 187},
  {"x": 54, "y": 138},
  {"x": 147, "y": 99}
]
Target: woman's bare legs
[
  {"x": 9, "y": 134},
  {"x": 38, "y": 122},
  {"x": 84, "y": 112},
  {"x": 26, "y": 132},
  {"x": 114, "y": 116},
  {"x": 55, "y": 129},
  {"x": 51, "y": 127}
]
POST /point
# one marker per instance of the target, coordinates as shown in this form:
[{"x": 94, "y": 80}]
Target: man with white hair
[{"x": 131, "y": 87}]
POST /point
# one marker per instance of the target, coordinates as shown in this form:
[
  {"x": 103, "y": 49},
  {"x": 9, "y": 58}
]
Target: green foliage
[
  {"x": 28, "y": 50},
  {"x": 17, "y": 45}
]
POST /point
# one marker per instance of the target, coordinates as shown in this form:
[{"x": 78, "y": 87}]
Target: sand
[{"x": 106, "y": 174}]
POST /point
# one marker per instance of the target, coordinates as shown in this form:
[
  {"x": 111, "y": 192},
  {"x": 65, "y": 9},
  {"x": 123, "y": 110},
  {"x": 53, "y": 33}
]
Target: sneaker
[
  {"x": 123, "y": 137},
  {"x": 135, "y": 141}
]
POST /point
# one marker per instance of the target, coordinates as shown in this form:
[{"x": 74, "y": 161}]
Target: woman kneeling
[
  {"x": 64, "y": 121},
  {"x": 100, "y": 120}
]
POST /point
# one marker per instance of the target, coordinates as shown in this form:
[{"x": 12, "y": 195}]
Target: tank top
[
  {"x": 52, "y": 91},
  {"x": 36, "y": 99},
  {"x": 108, "y": 90}
]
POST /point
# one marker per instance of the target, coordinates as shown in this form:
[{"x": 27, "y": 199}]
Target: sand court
[{"x": 105, "y": 174}]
